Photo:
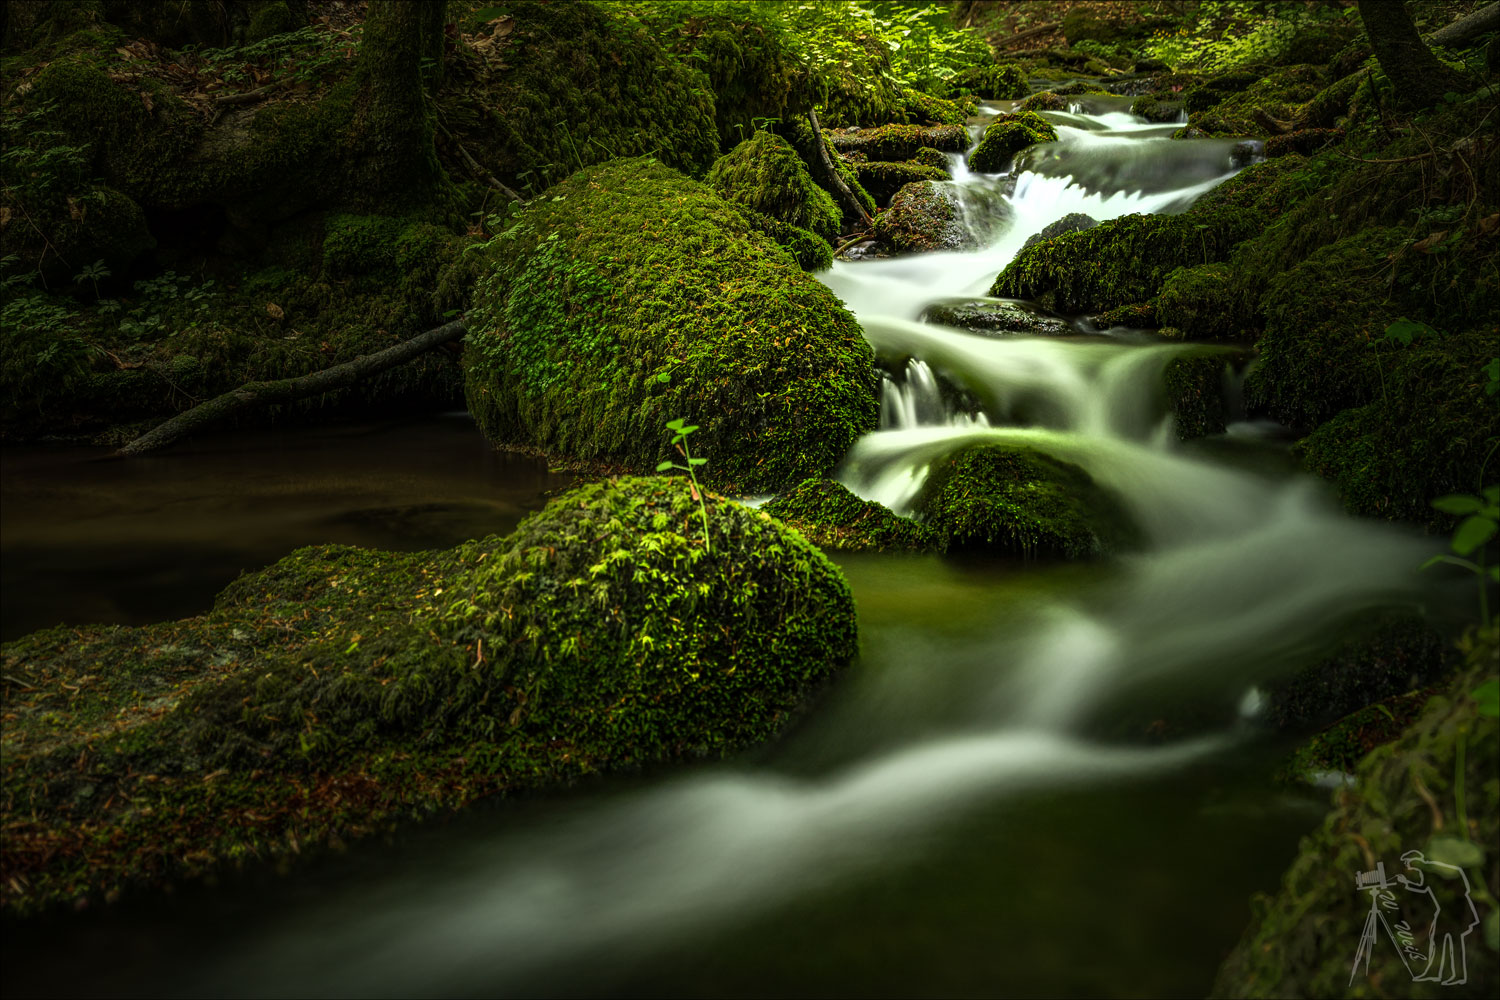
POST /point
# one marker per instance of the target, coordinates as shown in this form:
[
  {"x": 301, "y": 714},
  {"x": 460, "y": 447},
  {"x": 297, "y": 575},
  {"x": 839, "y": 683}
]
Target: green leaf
[
  {"x": 1472, "y": 533},
  {"x": 1403, "y": 331},
  {"x": 1459, "y": 503},
  {"x": 685, "y": 431},
  {"x": 1450, "y": 560},
  {"x": 1454, "y": 851},
  {"x": 663, "y": 466},
  {"x": 675, "y": 425},
  {"x": 663, "y": 377},
  {"x": 1492, "y": 930},
  {"x": 1491, "y": 493},
  {"x": 1488, "y": 697},
  {"x": 697, "y": 461}
]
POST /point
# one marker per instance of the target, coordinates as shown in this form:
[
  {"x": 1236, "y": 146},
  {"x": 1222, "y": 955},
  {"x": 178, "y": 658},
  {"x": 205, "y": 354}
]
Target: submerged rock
[
  {"x": 996, "y": 318},
  {"x": 1006, "y": 136},
  {"x": 342, "y": 689},
  {"x": 831, "y": 516},
  {"x": 634, "y": 296},
  {"x": 1017, "y": 500}
]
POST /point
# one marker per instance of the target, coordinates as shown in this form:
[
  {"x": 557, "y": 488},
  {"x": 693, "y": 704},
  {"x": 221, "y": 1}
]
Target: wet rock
[
  {"x": 923, "y": 217},
  {"x": 1155, "y": 109},
  {"x": 1016, "y": 500},
  {"x": 1047, "y": 100},
  {"x": 829, "y": 515},
  {"x": 1146, "y": 64},
  {"x": 894, "y": 143},
  {"x": 1247, "y": 152},
  {"x": 883, "y": 179},
  {"x": 996, "y": 317},
  {"x": 1073, "y": 222},
  {"x": 1006, "y": 136}
]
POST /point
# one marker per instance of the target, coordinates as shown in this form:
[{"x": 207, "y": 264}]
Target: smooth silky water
[{"x": 974, "y": 808}]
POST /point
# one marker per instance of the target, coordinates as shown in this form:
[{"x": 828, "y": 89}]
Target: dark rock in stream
[{"x": 996, "y": 317}]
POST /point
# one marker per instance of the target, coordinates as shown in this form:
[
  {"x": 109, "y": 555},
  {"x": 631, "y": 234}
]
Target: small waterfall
[{"x": 916, "y": 400}]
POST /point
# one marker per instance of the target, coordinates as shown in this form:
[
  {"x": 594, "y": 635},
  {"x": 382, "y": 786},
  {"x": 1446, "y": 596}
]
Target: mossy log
[{"x": 221, "y": 408}]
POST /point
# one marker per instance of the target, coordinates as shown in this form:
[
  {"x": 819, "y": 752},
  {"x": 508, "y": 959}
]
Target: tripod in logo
[{"x": 1431, "y": 950}]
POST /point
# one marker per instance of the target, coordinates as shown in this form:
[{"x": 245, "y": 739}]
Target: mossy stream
[{"x": 1040, "y": 778}]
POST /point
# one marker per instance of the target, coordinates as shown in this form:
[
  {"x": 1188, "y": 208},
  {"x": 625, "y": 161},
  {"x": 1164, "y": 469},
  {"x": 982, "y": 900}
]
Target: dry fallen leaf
[
  {"x": 146, "y": 100},
  {"x": 274, "y": 311},
  {"x": 1489, "y": 224},
  {"x": 4, "y": 216},
  {"x": 1425, "y": 246}
]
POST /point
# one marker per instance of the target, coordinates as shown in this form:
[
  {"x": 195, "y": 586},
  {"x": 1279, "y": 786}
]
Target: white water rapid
[{"x": 979, "y": 696}]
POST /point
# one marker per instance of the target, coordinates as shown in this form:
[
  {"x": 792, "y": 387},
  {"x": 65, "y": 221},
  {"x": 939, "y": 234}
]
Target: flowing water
[{"x": 975, "y": 808}]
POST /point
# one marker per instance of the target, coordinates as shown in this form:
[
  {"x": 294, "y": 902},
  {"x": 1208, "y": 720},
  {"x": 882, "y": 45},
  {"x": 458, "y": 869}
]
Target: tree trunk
[
  {"x": 845, "y": 194},
  {"x": 394, "y": 122},
  {"x": 434, "y": 22},
  {"x": 1416, "y": 75},
  {"x": 284, "y": 391}
]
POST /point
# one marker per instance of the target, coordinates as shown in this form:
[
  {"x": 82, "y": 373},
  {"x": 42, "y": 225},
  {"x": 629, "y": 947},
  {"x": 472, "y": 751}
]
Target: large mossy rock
[
  {"x": 996, "y": 318},
  {"x": 893, "y": 143},
  {"x": 342, "y": 689},
  {"x": 1017, "y": 500},
  {"x": 883, "y": 179},
  {"x": 923, "y": 216},
  {"x": 1413, "y": 794},
  {"x": 1006, "y": 136},
  {"x": 997, "y": 81},
  {"x": 632, "y": 296},
  {"x": 831, "y": 516},
  {"x": 764, "y": 173},
  {"x": 1121, "y": 261}
]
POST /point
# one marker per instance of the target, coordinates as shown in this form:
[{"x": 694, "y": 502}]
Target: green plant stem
[
  {"x": 702, "y": 506},
  {"x": 1458, "y": 783}
]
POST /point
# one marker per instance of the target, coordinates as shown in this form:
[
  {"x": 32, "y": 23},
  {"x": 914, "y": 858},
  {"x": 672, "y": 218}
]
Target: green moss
[
  {"x": 929, "y": 110},
  {"x": 999, "y": 81},
  {"x": 1207, "y": 302},
  {"x": 1020, "y": 501},
  {"x": 811, "y": 252},
  {"x": 1006, "y": 136},
  {"x": 1406, "y": 796},
  {"x": 884, "y": 179},
  {"x": 1195, "y": 394},
  {"x": 1046, "y": 100},
  {"x": 799, "y": 133},
  {"x": 634, "y": 296},
  {"x": 575, "y": 84},
  {"x": 1154, "y": 108},
  {"x": 929, "y": 157},
  {"x": 829, "y": 515},
  {"x": 922, "y": 217},
  {"x": 1122, "y": 261},
  {"x": 343, "y": 689},
  {"x": 765, "y": 174},
  {"x": 894, "y": 143},
  {"x": 271, "y": 19},
  {"x": 87, "y": 225},
  {"x": 1073, "y": 222}
]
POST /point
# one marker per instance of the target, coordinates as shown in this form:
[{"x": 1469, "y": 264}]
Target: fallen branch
[
  {"x": 246, "y": 96},
  {"x": 833, "y": 174},
  {"x": 858, "y": 238},
  {"x": 1021, "y": 36},
  {"x": 286, "y": 390},
  {"x": 474, "y": 168}
]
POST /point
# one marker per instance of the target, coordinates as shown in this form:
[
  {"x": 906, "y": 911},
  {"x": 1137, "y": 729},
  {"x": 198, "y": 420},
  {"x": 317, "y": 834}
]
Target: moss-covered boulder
[
  {"x": 633, "y": 296},
  {"x": 996, "y": 318},
  {"x": 800, "y": 134},
  {"x": 925, "y": 109},
  {"x": 1006, "y": 136},
  {"x": 1194, "y": 385},
  {"x": 1073, "y": 222},
  {"x": 764, "y": 173},
  {"x": 97, "y": 224},
  {"x": 568, "y": 85},
  {"x": 831, "y": 516},
  {"x": 923, "y": 217},
  {"x": 1154, "y": 109},
  {"x": 1123, "y": 260},
  {"x": 1017, "y": 500},
  {"x": 1207, "y": 302},
  {"x": 1433, "y": 790},
  {"x": 997, "y": 81},
  {"x": 883, "y": 179},
  {"x": 894, "y": 143},
  {"x": 341, "y": 689},
  {"x": 1046, "y": 100}
]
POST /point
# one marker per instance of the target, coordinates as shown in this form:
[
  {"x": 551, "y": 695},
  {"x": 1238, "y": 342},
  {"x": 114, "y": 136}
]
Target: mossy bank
[{"x": 342, "y": 690}]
